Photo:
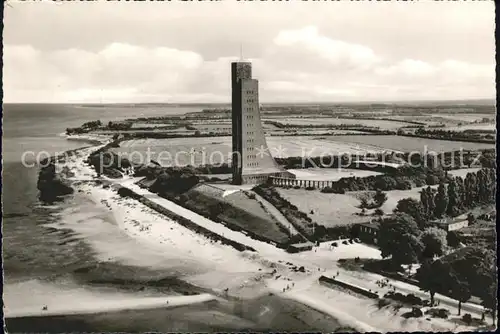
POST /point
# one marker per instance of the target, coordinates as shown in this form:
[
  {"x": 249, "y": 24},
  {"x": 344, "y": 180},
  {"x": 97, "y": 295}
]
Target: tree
[
  {"x": 410, "y": 250},
  {"x": 378, "y": 212},
  {"x": 452, "y": 239},
  {"x": 471, "y": 189},
  {"x": 398, "y": 238},
  {"x": 424, "y": 202},
  {"x": 489, "y": 299},
  {"x": 434, "y": 276},
  {"x": 380, "y": 198},
  {"x": 413, "y": 208},
  {"x": 434, "y": 242},
  {"x": 441, "y": 201},
  {"x": 431, "y": 201},
  {"x": 454, "y": 204},
  {"x": 319, "y": 231},
  {"x": 459, "y": 291},
  {"x": 461, "y": 191},
  {"x": 470, "y": 218}
]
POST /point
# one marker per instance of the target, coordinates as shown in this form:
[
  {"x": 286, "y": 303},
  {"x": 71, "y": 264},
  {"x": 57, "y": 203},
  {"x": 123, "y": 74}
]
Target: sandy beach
[{"x": 150, "y": 240}]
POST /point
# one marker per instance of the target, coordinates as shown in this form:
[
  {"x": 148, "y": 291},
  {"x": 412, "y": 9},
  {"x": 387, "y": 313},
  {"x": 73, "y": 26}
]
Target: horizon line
[{"x": 493, "y": 100}]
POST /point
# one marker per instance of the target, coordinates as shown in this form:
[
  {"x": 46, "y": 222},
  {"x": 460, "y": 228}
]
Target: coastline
[{"x": 249, "y": 272}]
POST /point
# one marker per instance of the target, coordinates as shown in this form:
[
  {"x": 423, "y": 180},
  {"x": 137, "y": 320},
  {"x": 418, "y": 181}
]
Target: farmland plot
[
  {"x": 382, "y": 124},
  {"x": 412, "y": 144},
  {"x": 327, "y": 209},
  {"x": 214, "y": 150},
  {"x": 477, "y": 127}
]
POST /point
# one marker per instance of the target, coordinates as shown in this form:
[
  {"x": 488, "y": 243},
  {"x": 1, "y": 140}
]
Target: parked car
[
  {"x": 344, "y": 242},
  {"x": 357, "y": 240},
  {"x": 334, "y": 244}
]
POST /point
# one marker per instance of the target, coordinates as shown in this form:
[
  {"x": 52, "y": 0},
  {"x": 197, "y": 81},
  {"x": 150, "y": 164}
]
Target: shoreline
[
  {"x": 136, "y": 303},
  {"x": 149, "y": 228}
]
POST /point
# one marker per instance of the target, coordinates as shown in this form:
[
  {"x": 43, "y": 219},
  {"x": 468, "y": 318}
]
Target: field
[
  {"x": 329, "y": 174},
  {"x": 214, "y": 150},
  {"x": 136, "y": 125},
  {"x": 444, "y": 119},
  {"x": 411, "y": 144},
  {"x": 382, "y": 124},
  {"x": 477, "y": 126},
  {"x": 328, "y": 209},
  {"x": 342, "y": 209},
  {"x": 311, "y": 131},
  {"x": 465, "y": 117}
]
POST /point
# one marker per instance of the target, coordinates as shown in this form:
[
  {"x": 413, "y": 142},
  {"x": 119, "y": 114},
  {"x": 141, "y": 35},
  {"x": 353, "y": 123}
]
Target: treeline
[
  {"x": 117, "y": 126},
  {"x": 451, "y": 135},
  {"x": 450, "y": 160},
  {"x": 403, "y": 178},
  {"x": 460, "y": 275},
  {"x": 363, "y": 117},
  {"x": 289, "y": 133},
  {"x": 352, "y": 127},
  {"x": 460, "y": 195},
  {"x": 85, "y": 128},
  {"x": 166, "y": 135}
]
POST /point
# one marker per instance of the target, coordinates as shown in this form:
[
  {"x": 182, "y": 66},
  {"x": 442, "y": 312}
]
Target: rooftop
[
  {"x": 374, "y": 225},
  {"x": 303, "y": 244}
]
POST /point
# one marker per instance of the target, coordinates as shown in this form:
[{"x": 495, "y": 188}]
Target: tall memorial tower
[{"x": 252, "y": 162}]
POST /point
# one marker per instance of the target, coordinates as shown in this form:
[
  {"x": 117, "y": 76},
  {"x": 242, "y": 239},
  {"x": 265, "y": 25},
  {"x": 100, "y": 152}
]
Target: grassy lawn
[
  {"x": 239, "y": 211},
  {"x": 328, "y": 209}
]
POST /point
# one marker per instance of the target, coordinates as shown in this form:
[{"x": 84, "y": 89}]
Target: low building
[
  {"x": 300, "y": 247},
  {"x": 368, "y": 232},
  {"x": 450, "y": 224}
]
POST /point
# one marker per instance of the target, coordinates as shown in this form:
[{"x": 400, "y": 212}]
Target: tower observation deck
[{"x": 252, "y": 162}]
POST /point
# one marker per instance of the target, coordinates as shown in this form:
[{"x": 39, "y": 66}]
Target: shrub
[
  {"x": 310, "y": 188},
  {"x": 183, "y": 198},
  {"x": 467, "y": 318},
  {"x": 413, "y": 300},
  {"x": 438, "y": 312},
  {"x": 416, "y": 312},
  {"x": 419, "y": 183},
  {"x": 432, "y": 180},
  {"x": 296, "y": 187}
]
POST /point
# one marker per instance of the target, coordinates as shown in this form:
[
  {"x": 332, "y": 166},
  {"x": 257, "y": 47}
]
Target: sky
[{"x": 180, "y": 52}]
